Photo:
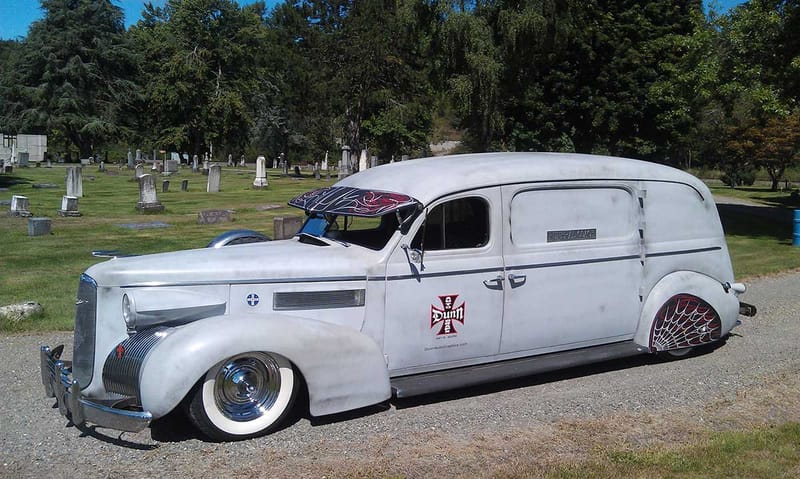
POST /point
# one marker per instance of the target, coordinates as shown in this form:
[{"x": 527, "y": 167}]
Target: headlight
[{"x": 129, "y": 312}]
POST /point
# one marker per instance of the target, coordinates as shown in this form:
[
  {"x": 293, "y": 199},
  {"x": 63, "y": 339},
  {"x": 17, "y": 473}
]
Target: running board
[{"x": 424, "y": 383}]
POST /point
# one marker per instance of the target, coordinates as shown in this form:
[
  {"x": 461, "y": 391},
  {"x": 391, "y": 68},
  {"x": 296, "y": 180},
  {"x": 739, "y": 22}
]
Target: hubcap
[{"x": 246, "y": 387}]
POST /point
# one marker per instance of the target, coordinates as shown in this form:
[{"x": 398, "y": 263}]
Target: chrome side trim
[
  {"x": 56, "y": 375},
  {"x": 303, "y": 300},
  {"x": 316, "y": 279}
]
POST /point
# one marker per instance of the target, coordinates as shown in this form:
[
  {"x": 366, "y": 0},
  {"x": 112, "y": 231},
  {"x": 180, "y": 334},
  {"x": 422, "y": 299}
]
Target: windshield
[
  {"x": 353, "y": 215},
  {"x": 372, "y": 233}
]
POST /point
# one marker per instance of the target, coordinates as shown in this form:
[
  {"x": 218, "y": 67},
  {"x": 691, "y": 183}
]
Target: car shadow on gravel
[{"x": 554, "y": 376}]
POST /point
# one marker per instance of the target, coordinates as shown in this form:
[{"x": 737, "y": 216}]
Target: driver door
[{"x": 446, "y": 310}]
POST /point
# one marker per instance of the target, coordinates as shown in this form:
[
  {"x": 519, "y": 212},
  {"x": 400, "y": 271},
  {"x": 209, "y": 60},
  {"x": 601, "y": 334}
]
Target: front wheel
[{"x": 244, "y": 396}]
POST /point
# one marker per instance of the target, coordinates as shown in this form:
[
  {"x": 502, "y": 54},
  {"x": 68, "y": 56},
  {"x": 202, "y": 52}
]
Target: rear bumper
[{"x": 58, "y": 383}]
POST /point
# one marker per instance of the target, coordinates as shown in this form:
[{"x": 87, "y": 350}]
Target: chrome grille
[
  {"x": 290, "y": 301},
  {"x": 124, "y": 362},
  {"x": 85, "y": 327}
]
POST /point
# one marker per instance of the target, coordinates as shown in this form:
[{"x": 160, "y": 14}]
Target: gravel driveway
[{"x": 465, "y": 432}]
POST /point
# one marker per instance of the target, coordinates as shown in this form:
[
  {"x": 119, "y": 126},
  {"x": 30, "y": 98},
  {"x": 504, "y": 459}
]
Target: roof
[
  {"x": 427, "y": 179},
  {"x": 343, "y": 200}
]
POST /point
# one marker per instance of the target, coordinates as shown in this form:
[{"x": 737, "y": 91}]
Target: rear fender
[
  {"x": 725, "y": 303},
  {"x": 343, "y": 368}
]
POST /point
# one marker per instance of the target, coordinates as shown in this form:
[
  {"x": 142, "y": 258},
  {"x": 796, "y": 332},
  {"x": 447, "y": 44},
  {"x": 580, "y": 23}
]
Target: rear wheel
[
  {"x": 679, "y": 353},
  {"x": 244, "y": 396}
]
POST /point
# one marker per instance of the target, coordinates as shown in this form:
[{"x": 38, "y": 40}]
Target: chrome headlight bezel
[{"x": 129, "y": 311}]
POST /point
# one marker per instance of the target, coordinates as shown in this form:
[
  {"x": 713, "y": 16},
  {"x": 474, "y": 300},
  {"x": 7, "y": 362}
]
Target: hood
[{"x": 271, "y": 261}]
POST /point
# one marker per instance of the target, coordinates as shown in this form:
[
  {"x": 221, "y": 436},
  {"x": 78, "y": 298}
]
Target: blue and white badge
[{"x": 252, "y": 299}]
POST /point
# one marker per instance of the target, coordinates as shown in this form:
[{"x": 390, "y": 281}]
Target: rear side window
[
  {"x": 573, "y": 216},
  {"x": 456, "y": 224}
]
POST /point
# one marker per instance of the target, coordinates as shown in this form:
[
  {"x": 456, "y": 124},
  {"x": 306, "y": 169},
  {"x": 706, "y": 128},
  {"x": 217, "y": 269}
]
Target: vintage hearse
[{"x": 404, "y": 279}]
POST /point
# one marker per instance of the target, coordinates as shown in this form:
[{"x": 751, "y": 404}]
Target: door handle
[
  {"x": 496, "y": 283},
  {"x": 517, "y": 280}
]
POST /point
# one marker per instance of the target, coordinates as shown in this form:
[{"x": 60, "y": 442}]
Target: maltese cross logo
[{"x": 446, "y": 316}]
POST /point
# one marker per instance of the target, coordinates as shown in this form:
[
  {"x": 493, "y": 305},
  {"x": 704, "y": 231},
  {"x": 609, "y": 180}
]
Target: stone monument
[{"x": 261, "y": 173}]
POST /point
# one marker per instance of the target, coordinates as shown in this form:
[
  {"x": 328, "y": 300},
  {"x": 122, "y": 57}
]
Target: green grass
[
  {"x": 46, "y": 268},
  {"x": 759, "y": 453}
]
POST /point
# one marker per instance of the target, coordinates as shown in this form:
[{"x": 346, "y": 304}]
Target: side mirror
[{"x": 413, "y": 254}]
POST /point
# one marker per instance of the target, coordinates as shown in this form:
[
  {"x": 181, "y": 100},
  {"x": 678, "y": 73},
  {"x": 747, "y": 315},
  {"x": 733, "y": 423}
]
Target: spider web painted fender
[{"x": 686, "y": 309}]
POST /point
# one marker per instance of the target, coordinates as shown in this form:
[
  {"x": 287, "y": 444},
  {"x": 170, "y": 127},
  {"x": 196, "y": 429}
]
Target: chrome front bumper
[{"x": 58, "y": 383}]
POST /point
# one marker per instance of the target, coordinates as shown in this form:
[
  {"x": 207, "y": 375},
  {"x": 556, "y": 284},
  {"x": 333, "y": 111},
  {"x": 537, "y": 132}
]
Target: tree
[
  {"x": 200, "y": 62},
  {"x": 774, "y": 146},
  {"x": 73, "y": 74}
]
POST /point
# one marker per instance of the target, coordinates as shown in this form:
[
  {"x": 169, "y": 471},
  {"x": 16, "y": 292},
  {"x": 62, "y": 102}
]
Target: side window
[{"x": 461, "y": 223}]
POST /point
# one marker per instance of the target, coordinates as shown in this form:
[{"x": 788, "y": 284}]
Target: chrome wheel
[
  {"x": 244, "y": 396},
  {"x": 246, "y": 387}
]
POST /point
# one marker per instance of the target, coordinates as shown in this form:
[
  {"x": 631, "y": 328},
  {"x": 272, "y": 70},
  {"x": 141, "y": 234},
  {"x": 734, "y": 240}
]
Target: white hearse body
[{"x": 405, "y": 279}]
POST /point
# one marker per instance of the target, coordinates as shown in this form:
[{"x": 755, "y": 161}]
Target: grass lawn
[{"x": 46, "y": 268}]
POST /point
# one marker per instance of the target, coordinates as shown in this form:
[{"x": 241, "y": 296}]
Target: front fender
[
  {"x": 725, "y": 303},
  {"x": 343, "y": 368}
]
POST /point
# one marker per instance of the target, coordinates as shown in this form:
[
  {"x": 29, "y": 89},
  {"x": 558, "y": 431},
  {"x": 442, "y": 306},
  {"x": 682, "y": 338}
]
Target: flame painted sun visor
[{"x": 346, "y": 200}]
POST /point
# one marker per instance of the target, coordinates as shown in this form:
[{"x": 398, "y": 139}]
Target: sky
[{"x": 17, "y": 15}]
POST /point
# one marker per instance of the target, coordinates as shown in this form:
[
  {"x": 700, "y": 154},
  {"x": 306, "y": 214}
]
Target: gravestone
[
  {"x": 19, "y": 206},
  {"x": 230, "y": 159},
  {"x": 373, "y": 161},
  {"x": 242, "y": 161},
  {"x": 316, "y": 171},
  {"x": 171, "y": 166},
  {"x": 261, "y": 173},
  {"x": 404, "y": 158},
  {"x": 75, "y": 181},
  {"x": 102, "y": 167},
  {"x": 69, "y": 207},
  {"x": 286, "y": 226},
  {"x": 194, "y": 164},
  {"x": 210, "y": 217},
  {"x": 185, "y": 185},
  {"x": 297, "y": 171},
  {"x": 138, "y": 156},
  {"x": 23, "y": 157},
  {"x": 49, "y": 163},
  {"x": 39, "y": 226},
  {"x": 148, "y": 200},
  {"x": 274, "y": 164},
  {"x": 344, "y": 164},
  {"x": 165, "y": 186},
  {"x": 362, "y": 161},
  {"x": 214, "y": 179},
  {"x": 86, "y": 161},
  {"x": 130, "y": 159},
  {"x": 139, "y": 171},
  {"x": 325, "y": 162}
]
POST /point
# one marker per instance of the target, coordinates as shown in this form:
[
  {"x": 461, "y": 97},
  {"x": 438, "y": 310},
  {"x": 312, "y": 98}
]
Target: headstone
[
  {"x": 205, "y": 167},
  {"x": 242, "y": 162},
  {"x": 23, "y": 157},
  {"x": 49, "y": 163},
  {"x": 39, "y": 226},
  {"x": 130, "y": 162},
  {"x": 286, "y": 226},
  {"x": 261, "y": 173},
  {"x": 102, "y": 166},
  {"x": 362, "y": 161},
  {"x": 214, "y": 179},
  {"x": 316, "y": 171},
  {"x": 325, "y": 162},
  {"x": 19, "y": 206},
  {"x": 165, "y": 186},
  {"x": 297, "y": 171},
  {"x": 210, "y": 217},
  {"x": 138, "y": 156},
  {"x": 86, "y": 161},
  {"x": 404, "y": 158},
  {"x": 185, "y": 185},
  {"x": 194, "y": 164},
  {"x": 69, "y": 206},
  {"x": 139, "y": 171},
  {"x": 373, "y": 161},
  {"x": 230, "y": 159},
  {"x": 275, "y": 164},
  {"x": 75, "y": 181},
  {"x": 344, "y": 165},
  {"x": 171, "y": 166},
  {"x": 42, "y": 186},
  {"x": 148, "y": 200}
]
